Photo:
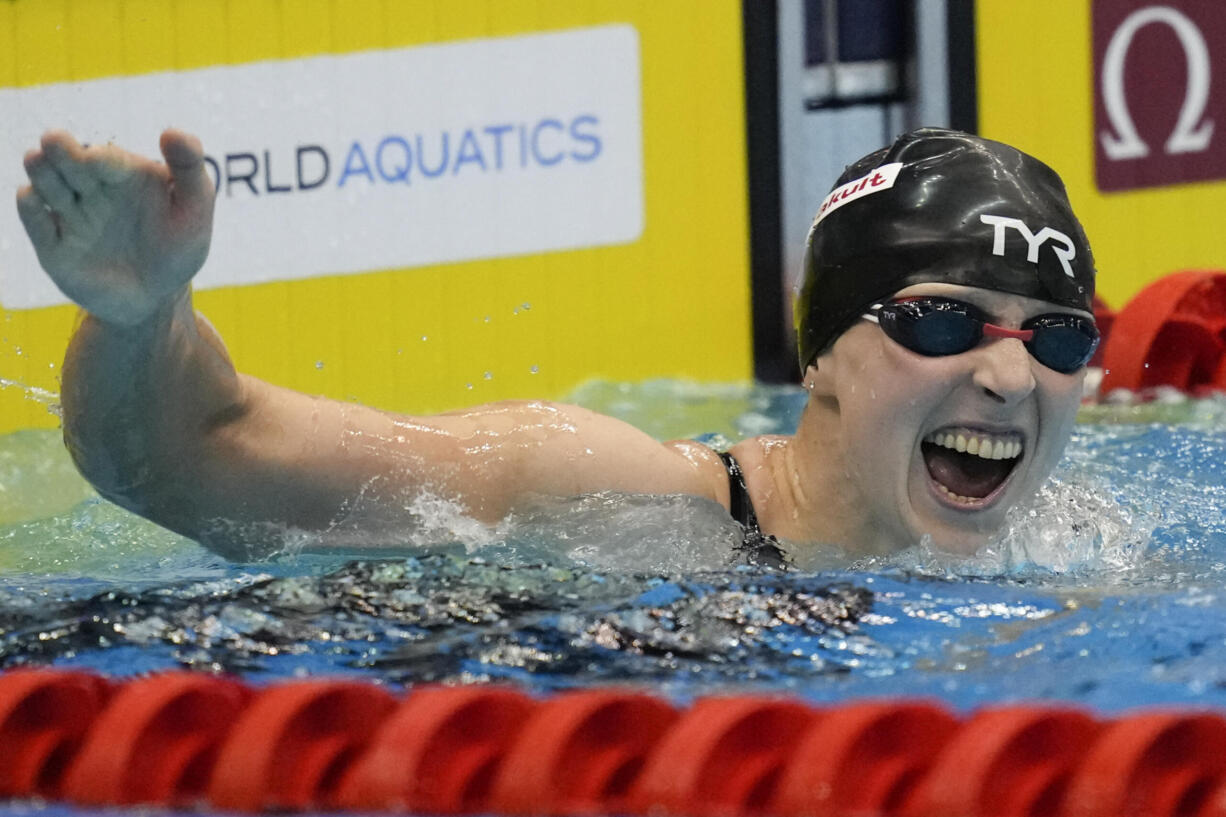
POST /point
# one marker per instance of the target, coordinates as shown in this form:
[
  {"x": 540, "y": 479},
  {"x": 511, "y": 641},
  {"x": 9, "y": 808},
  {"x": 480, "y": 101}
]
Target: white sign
[
  {"x": 882, "y": 178},
  {"x": 377, "y": 160}
]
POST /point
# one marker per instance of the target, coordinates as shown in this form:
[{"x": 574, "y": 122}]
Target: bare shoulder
[
  {"x": 754, "y": 456},
  {"x": 755, "y": 453}
]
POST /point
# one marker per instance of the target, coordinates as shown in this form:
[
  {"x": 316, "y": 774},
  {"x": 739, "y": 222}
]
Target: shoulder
[
  {"x": 752, "y": 455},
  {"x": 756, "y": 453}
]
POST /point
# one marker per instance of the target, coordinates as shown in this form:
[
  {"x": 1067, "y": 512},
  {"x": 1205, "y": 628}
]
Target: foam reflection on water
[{"x": 1108, "y": 589}]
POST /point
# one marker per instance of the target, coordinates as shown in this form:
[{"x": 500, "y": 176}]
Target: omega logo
[{"x": 1192, "y": 131}]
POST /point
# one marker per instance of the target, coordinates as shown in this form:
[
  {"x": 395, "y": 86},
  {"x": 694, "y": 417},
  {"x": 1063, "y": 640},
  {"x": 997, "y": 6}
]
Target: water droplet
[
  {"x": 487, "y": 318},
  {"x": 1146, "y": 365},
  {"x": 488, "y": 375},
  {"x": 534, "y": 369},
  {"x": 525, "y": 306},
  {"x": 425, "y": 338},
  {"x": 319, "y": 364},
  {"x": 17, "y": 350},
  {"x": 468, "y": 385}
]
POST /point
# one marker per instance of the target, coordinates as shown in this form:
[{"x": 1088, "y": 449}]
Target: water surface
[{"x": 1109, "y": 590}]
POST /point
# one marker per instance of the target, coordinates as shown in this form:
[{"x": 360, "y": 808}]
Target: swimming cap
[{"x": 939, "y": 205}]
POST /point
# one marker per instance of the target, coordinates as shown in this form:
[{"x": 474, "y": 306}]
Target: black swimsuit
[{"x": 758, "y": 548}]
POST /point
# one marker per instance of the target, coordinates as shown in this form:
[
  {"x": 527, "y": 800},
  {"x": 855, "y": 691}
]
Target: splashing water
[
  {"x": 1108, "y": 589},
  {"x": 49, "y": 399}
]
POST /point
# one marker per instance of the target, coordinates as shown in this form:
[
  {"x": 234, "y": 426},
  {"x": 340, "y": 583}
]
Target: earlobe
[{"x": 819, "y": 377}]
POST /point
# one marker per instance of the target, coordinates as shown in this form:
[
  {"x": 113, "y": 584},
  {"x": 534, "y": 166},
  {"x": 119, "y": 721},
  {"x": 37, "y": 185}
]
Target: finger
[
  {"x": 48, "y": 182},
  {"x": 184, "y": 157},
  {"x": 71, "y": 161},
  {"x": 36, "y": 218},
  {"x": 111, "y": 164}
]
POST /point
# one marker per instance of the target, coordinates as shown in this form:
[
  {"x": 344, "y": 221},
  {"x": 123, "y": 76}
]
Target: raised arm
[{"x": 157, "y": 418}]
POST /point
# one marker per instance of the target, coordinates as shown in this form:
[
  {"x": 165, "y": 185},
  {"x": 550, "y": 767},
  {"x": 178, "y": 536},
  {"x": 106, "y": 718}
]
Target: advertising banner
[
  {"x": 1126, "y": 99},
  {"x": 420, "y": 206}
]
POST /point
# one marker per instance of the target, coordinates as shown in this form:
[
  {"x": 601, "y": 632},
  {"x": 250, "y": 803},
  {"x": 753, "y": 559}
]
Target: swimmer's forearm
[{"x": 139, "y": 401}]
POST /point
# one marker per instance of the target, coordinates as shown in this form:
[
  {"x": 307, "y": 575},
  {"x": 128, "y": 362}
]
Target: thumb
[{"x": 185, "y": 159}]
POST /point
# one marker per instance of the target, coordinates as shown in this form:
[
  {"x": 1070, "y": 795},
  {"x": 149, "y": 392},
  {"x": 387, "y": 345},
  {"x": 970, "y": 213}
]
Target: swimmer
[{"x": 944, "y": 324}]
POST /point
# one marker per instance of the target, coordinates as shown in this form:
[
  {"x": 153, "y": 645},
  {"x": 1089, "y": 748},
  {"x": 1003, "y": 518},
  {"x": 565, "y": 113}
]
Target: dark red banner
[{"x": 1159, "y": 95}]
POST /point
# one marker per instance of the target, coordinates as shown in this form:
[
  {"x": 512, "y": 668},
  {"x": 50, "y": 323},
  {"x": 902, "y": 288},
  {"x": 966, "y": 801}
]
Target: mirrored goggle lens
[
  {"x": 1064, "y": 343},
  {"x": 934, "y": 329}
]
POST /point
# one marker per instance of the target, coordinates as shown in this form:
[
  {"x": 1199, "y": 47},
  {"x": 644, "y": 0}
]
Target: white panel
[{"x": 399, "y": 158}]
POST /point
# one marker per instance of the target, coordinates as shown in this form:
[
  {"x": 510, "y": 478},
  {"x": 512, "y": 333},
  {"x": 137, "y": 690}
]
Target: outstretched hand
[{"x": 120, "y": 234}]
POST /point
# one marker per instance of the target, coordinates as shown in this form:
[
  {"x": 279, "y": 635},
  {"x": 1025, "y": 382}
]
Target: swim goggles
[{"x": 936, "y": 327}]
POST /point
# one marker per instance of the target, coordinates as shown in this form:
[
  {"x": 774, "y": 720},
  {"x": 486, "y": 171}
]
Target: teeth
[
  {"x": 965, "y": 500},
  {"x": 988, "y": 446}
]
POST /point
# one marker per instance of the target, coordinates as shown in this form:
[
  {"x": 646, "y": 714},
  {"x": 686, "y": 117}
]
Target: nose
[{"x": 1003, "y": 369}]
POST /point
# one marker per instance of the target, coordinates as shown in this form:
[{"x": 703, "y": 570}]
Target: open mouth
[{"x": 967, "y": 466}]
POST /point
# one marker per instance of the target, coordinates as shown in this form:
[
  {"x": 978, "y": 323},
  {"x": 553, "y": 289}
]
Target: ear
[{"x": 819, "y": 376}]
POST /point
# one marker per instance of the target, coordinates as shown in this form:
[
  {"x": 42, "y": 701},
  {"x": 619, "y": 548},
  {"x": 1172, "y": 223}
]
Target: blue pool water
[{"x": 1109, "y": 591}]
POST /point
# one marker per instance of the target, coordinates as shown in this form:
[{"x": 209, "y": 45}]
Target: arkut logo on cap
[
  {"x": 877, "y": 180},
  {"x": 1033, "y": 240}
]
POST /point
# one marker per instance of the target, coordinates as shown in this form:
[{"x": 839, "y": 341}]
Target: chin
[
  {"x": 967, "y": 537},
  {"x": 961, "y": 543}
]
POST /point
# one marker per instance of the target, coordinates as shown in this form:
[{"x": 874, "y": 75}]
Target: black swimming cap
[{"x": 939, "y": 205}]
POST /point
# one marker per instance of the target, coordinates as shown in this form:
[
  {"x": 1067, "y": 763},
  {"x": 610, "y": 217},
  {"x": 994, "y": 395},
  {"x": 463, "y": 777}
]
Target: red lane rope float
[
  {"x": 290, "y": 747},
  {"x": 1104, "y": 318},
  {"x": 179, "y": 739},
  {"x": 1150, "y": 764},
  {"x": 43, "y": 718},
  {"x": 155, "y": 742},
  {"x": 1008, "y": 762},
  {"x": 723, "y": 757},
  {"x": 437, "y": 753},
  {"x": 579, "y": 753},
  {"x": 1172, "y": 333},
  {"x": 862, "y": 759}
]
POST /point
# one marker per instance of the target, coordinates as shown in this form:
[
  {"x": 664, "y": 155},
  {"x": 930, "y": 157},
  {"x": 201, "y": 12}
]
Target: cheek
[
  {"x": 1064, "y": 397},
  {"x": 885, "y": 407},
  {"x": 1061, "y": 400}
]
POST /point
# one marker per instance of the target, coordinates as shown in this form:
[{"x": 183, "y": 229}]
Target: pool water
[{"x": 1108, "y": 591}]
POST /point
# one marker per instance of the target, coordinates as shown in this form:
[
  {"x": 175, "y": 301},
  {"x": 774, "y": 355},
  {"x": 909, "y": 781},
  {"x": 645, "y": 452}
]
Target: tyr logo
[{"x": 1034, "y": 241}]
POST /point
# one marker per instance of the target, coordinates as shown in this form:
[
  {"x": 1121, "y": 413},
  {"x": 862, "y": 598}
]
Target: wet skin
[
  {"x": 187, "y": 441},
  {"x": 856, "y": 473}
]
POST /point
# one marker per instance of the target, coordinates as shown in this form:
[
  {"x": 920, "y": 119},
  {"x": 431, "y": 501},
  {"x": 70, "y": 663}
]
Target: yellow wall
[
  {"x": 1035, "y": 84},
  {"x": 674, "y": 303}
]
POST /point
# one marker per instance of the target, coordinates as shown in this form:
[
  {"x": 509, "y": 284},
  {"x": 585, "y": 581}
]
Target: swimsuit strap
[
  {"x": 738, "y": 494},
  {"x": 759, "y": 548}
]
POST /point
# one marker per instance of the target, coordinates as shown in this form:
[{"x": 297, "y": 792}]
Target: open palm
[{"x": 118, "y": 233}]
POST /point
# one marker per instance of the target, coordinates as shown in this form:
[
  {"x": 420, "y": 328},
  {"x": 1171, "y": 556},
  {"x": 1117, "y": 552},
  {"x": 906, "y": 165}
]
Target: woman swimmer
[{"x": 944, "y": 324}]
